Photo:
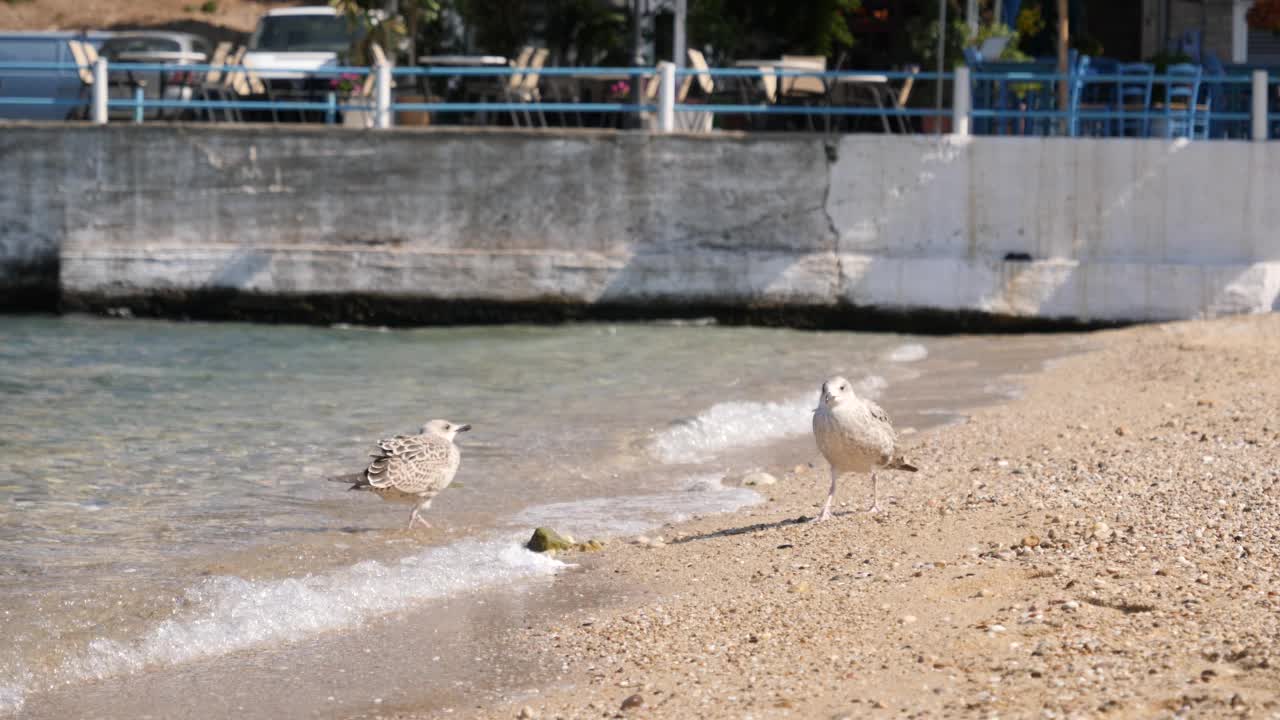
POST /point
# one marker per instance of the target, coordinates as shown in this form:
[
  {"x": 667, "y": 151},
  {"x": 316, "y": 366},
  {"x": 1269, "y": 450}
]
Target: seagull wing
[
  {"x": 879, "y": 414},
  {"x": 889, "y": 460},
  {"x": 413, "y": 464}
]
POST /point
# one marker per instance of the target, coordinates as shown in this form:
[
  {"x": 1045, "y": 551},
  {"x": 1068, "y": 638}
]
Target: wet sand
[{"x": 1105, "y": 544}]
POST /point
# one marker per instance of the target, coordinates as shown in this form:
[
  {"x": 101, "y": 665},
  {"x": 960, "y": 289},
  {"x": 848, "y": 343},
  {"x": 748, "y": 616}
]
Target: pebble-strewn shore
[{"x": 1107, "y": 545}]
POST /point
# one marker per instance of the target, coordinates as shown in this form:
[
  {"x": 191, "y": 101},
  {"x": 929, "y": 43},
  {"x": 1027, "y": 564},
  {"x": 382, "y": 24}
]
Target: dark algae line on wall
[{"x": 399, "y": 311}]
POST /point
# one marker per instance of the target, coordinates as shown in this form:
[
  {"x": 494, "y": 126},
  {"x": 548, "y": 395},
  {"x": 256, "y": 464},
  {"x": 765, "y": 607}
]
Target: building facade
[{"x": 1221, "y": 26}]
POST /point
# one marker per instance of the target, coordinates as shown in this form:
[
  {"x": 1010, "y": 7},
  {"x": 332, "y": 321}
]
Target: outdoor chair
[
  {"x": 84, "y": 69},
  {"x": 1133, "y": 97},
  {"x": 1181, "y": 95},
  {"x": 904, "y": 94},
  {"x": 219, "y": 84},
  {"x": 253, "y": 86},
  {"x": 526, "y": 91},
  {"x": 494, "y": 89},
  {"x": 1087, "y": 96},
  {"x": 688, "y": 120},
  {"x": 805, "y": 90},
  {"x": 697, "y": 121},
  {"x": 1214, "y": 93}
]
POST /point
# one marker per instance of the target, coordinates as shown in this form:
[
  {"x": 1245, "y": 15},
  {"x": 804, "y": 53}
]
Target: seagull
[
  {"x": 412, "y": 467},
  {"x": 855, "y": 436}
]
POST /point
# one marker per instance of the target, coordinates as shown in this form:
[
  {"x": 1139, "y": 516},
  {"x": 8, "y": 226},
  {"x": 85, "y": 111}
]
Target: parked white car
[{"x": 289, "y": 41}]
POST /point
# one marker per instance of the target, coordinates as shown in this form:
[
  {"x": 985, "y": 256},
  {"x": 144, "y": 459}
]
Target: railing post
[
  {"x": 99, "y": 106},
  {"x": 382, "y": 97},
  {"x": 139, "y": 96},
  {"x": 1259, "y": 114},
  {"x": 960, "y": 104},
  {"x": 666, "y": 97},
  {"x": 331, "y": 112}
]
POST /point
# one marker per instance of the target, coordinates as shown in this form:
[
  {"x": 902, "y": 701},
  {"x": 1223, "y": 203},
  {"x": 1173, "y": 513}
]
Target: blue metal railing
[{"x": 1010, "y": 102}]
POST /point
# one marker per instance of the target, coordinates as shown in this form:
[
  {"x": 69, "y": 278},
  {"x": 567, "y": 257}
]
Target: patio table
[
  {"x": 457, "y": 87},
  {"x": 876, "y": 85}
]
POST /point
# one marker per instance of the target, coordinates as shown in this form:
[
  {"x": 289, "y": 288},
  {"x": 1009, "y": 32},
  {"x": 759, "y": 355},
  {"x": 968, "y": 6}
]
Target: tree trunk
[{"x": 411, "y": 29}]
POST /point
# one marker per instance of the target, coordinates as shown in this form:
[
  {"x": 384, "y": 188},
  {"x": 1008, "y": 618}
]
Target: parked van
[
  {"x": 63, "y": 87},
  {"x": 298, "y": 39}
]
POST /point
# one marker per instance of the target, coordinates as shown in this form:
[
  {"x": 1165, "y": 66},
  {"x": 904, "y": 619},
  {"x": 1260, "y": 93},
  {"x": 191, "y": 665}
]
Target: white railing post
[
  {"x": 139, "y": 97},
  {"x": 666, "y": 97},
  {"x": 382, "y": 97},
  {"x": 99, "y": 107},
  {"x": 960, "y": 102},
  {"x": 1259, "y": 114}
]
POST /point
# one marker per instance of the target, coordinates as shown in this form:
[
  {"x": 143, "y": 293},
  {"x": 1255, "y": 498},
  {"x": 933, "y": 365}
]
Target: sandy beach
[{"x": 1103, "y": 545}]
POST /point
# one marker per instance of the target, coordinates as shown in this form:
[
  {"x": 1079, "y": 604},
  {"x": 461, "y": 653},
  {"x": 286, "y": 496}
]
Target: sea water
[{"x": 164, "y": 511}]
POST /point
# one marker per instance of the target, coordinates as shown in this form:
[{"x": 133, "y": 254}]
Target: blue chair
[
  {"x": 1188, "y": 43},
  {"x": 1133, "y": 97},
  {"x": 1181, "y": 95},
  {"x": 1086, "y": 94},
  {"x": 979, "y": 90},
  {"x": 1214, "y": 92}
]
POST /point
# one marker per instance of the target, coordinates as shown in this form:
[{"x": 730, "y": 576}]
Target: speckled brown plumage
[{"x": 414, "y": 467}]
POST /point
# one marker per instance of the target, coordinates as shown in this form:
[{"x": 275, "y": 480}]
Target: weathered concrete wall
[
  {"x": 1099, "y": 230},
  {"x": 33, "y": 193}
]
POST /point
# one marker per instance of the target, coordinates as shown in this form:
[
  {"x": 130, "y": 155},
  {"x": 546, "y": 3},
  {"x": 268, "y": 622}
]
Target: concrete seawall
[{"x": 285, "y": 221}]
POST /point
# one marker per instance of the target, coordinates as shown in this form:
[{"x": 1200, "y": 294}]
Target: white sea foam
[
  {"x": 909, "y": 353},
  {"x": 729, "y": 425},
  {"x": 232, "y": 614},
  {"x": 627, "y": 515}
]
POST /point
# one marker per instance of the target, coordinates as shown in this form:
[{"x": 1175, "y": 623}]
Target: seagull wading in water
[
  {"x": 412, "y": 467},
  {"x": 855, "y": 436}
]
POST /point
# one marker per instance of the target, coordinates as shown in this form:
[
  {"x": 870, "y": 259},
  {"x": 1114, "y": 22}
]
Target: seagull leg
[
  {"x": 875, "y": 495},
  {"x": 416, "y": 517},
  {"x": 826, "y": 507}
]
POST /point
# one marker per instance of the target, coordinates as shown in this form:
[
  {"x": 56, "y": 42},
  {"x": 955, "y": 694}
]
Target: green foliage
[
  {"x": 598, "y": 31},
  {"x": 922, "y": 32},
  {"x": 768, "y": 28},
  {"x": 209, "y": 7},
  {"x": 1031, "y": 20},
  {"x": 588, "y": 31},
  {"x": 389, "y": 32}
]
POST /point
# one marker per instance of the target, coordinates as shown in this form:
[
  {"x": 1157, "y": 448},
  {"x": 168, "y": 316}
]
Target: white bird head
[
  {"x": 836, "y": 389},
  {"x": 444, "y": 429}
]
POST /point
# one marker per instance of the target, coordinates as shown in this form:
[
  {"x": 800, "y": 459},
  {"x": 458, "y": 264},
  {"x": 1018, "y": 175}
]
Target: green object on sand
[{"x": 548, "y": 540}]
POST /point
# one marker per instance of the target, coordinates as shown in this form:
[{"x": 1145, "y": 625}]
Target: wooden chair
[
  {"x": 904, "y": 94},
  {"x": 526, "y": 91},
  {"x": 84, "y": 69},
  {"x": 805, "y": 90},
  {"x": 487, "y": 89},
  {"x": 228, "y": 86}
]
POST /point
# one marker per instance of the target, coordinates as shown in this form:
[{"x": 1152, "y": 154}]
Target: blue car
[{"x": 44, "y": 94}]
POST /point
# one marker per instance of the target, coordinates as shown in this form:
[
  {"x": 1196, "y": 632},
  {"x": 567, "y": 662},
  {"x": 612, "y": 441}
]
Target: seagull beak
[{"x": 462, "y": 428}]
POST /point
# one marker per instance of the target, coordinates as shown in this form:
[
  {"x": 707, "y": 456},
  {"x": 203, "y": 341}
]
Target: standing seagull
[
  {"x": 413, "y": 467},
  {"x": 854, "y": 435}
]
